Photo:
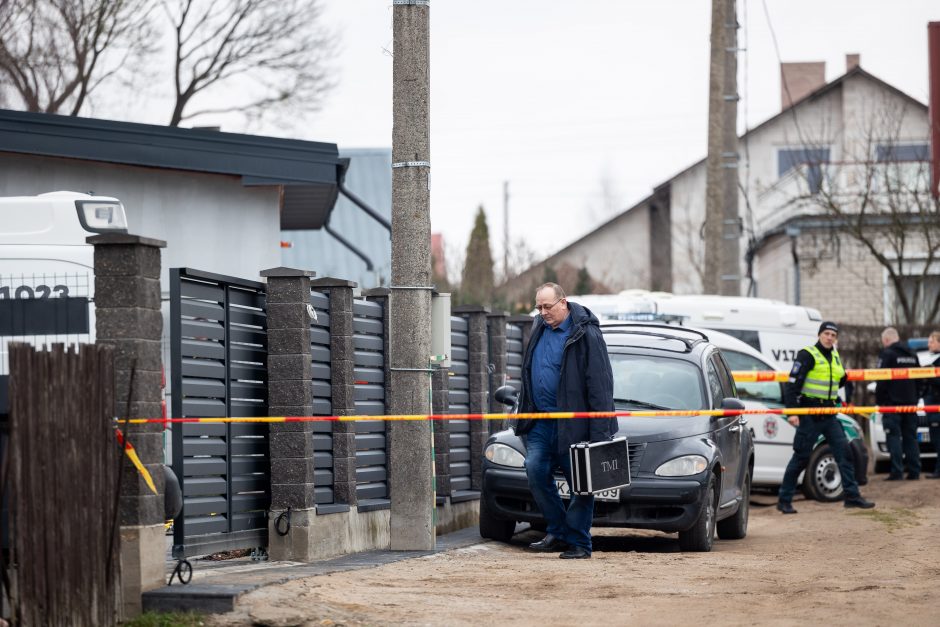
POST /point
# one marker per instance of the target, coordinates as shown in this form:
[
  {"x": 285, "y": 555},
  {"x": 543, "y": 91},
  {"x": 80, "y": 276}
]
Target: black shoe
[
  {"x": 576, "y": 553},
  {"x": 549, "y": 543},
  {"x": 934, "y": 475},
  {"x": 894, "y": 478},
  {"x": 913, "y": 477},
  {"x": 859, "y": 502},
  {"x": 786, "y": 507}
]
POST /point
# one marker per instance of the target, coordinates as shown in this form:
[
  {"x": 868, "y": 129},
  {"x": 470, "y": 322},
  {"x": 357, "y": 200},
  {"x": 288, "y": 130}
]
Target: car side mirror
[
  {"x": 731, "y": 403},
  {"x": 507, "y": 395}
]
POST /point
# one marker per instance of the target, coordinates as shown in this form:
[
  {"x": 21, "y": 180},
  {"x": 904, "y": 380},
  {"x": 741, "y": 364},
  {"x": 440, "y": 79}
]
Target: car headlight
[
  {"x": 504, "y": 455},
  {"x": 682, "y": 466}
]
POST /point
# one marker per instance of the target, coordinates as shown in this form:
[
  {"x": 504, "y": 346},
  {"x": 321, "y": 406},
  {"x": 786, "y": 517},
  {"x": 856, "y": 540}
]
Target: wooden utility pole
[
  {"x": 411, "y": 461},
  {"x": 722, "y": 222}
]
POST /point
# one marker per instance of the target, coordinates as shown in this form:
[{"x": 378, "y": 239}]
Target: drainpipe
[
  {"x": 794, "y": 233},
  {"x": 341, "y": 178},
  {"x": 345, "y": 242}
]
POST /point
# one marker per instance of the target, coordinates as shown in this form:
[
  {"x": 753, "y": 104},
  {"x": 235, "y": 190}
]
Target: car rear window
[{"x": 670, "y": 383}]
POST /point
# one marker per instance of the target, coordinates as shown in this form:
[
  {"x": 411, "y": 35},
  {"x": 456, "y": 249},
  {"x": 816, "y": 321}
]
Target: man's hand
[{"x": 794, "y": 420}]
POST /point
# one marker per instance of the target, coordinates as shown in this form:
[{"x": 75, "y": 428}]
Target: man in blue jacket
[{"x": 566, "y": 368}]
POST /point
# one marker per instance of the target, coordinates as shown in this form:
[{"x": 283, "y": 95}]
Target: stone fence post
[
  {"x": 290, "y": 393},
  {"x": 128, "y": 318},
  {"x": 478, "y": 375}
]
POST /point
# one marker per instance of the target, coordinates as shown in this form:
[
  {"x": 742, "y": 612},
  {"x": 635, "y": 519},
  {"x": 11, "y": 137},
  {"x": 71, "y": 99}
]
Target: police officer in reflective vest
[{"x": 815, "y": 379}]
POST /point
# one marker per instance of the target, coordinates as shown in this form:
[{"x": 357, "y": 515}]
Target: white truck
[{"x": 47, "y": 269}]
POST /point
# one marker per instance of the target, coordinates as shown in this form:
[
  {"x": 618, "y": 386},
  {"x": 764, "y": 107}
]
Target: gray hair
[
  {"x": 890, "y": 335},
  {"x": 559, "y": 293}
]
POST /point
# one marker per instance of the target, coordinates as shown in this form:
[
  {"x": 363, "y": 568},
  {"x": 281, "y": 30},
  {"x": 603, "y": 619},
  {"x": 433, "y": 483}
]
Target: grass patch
[
  {"x": 892, "y": 519},
  {"x": 166, "y": 619}
]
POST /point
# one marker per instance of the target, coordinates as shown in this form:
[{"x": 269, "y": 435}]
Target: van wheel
[
  {"x": 822, "y": 480},
  {"x": 701, "y": 536}
]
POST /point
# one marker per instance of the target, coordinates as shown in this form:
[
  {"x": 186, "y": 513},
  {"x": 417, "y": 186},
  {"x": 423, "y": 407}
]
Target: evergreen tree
[
  {"x": 549, "y": 275},
  {"x": 584, "y": 285},
  {"x": 476, "y": 282}
]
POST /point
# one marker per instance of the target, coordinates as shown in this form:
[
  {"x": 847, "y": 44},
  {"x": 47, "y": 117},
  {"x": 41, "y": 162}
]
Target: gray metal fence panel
[
  {"x": 219, "y": 368},
  {"x": 459, "y": 393},
  {"x": 514, "y": 356},
  {"x": 322, "y": 399},
  {"x": 369, "y": 363}
]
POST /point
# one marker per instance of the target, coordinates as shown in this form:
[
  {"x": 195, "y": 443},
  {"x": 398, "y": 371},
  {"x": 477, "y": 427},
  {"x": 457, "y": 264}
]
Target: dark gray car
[{"x": 689, "y": 474}]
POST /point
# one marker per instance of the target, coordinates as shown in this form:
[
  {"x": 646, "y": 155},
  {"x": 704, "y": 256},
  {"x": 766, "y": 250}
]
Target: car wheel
[
  {"x": 702, "y": 534},
  {"x": 882, "y": 466},
  {"x": 735, "y": 527},
  {"x": 822, "y": 480},
  {"x": 493, "y": 527}
]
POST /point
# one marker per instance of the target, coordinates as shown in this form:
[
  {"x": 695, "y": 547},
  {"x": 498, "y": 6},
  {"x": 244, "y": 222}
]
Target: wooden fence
[{"x": 64, "y": 462}]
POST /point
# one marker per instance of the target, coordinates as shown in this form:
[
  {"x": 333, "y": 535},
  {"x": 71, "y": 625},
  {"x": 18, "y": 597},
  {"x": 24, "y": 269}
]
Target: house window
[
  {"x": 813, "y": 158},
  {"x": 901, "y": 152},
  {"x": 927, "y": 291}
]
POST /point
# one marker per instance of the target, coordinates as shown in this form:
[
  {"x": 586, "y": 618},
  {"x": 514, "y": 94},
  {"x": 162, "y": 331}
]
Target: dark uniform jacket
[
  {"x": 902, "y": 391},
  {"x": 930, "y": 392},
  {"x": 586, "y": 381}
]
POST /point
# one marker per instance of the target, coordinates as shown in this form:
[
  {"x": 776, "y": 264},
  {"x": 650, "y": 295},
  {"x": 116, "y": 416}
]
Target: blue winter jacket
[{"x": 586, "y": 381}]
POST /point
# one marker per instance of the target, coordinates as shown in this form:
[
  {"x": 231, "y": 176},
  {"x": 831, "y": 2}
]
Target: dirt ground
[{"x": 825, "y": 565}]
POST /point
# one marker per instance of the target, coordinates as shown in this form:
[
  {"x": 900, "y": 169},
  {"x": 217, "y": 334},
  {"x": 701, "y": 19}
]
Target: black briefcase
[{"x": 599, "y": 466}]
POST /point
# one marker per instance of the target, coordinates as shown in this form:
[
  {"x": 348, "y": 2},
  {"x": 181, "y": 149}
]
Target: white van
[
  {"x": 774, "y": 328},
  {"x": 47, "y": 269}
]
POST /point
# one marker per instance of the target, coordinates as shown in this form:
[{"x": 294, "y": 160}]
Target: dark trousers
[
  {"x": 811, "y": 427},
  {"x": 571, "y": 524},
  {"x": 935, "y": 438},
  {"x": 901, "y": 436}
]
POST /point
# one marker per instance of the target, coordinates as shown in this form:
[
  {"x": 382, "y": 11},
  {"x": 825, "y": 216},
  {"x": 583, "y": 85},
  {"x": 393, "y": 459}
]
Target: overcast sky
[{"x": 568, "y": 99}]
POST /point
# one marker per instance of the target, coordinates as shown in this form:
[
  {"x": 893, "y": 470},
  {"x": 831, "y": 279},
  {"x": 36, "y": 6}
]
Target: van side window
[{"x": 767, "y": 392}]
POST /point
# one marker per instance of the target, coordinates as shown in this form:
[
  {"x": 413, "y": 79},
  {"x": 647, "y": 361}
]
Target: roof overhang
[{"x": 307, "y": 172}]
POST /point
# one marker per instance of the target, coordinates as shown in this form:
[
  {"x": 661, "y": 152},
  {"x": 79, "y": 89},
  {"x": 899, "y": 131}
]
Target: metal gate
[
  {"x": 371, "y": 442},
  {"x": 459, "y": 401},
  {"x": 219, "y": 368},
  {"x": 322, "y": 399},
  {"x": 514, "y": 356}
]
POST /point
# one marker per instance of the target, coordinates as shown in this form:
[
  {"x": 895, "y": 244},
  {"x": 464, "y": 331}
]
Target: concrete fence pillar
[
  {"x": 478, "y": 375},
  {"x": 290, "y": 393},
  {"x": 127, "y": 308},
  {"x": 342, "y": 385},
  {"x": 440, "y": 404}
]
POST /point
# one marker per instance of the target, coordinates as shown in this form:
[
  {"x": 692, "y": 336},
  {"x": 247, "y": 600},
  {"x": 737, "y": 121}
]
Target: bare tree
[
  {"x": 276, "y": 49},
  {"x": 54, "y": 54},
  {"x": 879, "y": 196}
]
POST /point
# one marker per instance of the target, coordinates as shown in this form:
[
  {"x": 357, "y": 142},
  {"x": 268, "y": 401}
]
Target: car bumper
[
  {"x": 879, "y": 442},
  {"x": 662, "y": 504}
]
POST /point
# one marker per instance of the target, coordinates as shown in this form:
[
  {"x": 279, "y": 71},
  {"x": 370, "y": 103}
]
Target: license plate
[{"x": 604, "y": 495}]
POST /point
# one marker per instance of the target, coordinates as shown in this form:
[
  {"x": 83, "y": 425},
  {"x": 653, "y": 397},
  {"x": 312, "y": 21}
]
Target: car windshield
[{"x": 644, "y": 380}]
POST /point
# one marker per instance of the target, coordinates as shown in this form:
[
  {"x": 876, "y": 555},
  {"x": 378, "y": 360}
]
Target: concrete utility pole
[
  {"x": 722, "y": 222},
  {"x": 411, "y": 463}
]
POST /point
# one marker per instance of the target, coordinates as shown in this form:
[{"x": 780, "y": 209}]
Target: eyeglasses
[{"x": 541, "y": 308}]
